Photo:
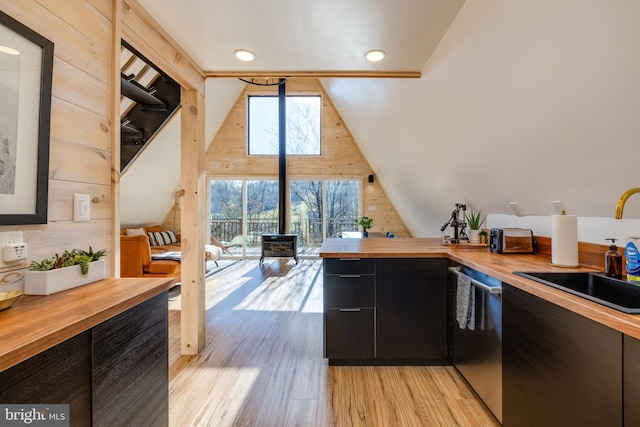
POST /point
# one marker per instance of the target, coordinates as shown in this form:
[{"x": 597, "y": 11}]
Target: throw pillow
[
  {"x": 161, "y": 238},
  {"x": 135, "y": 232}
]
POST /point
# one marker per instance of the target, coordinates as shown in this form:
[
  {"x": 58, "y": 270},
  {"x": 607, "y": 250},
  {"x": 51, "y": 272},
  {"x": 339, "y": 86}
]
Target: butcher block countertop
[
  {"x": 500, "y": 266},
  {"x": 36, "y": 323}
]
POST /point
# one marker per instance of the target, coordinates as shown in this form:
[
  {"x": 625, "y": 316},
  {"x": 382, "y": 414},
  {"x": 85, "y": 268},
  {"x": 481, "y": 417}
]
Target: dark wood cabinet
[
  {"x": 631, "y": 384},
  {"x": 559, "y": 368},
  {"x": 131, "y": 367},
  {"x": 59, "y": 375},
  {"x": 385, "y": 311},
  {"x": 411, "y": 310},
  {"x": 349, "y": 311},
  {"x": 349, "y": 334},
  {"x": 113, "y": 374}
]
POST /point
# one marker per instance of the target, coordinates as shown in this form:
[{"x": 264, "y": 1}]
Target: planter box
[{"x": 61, "y": 279}]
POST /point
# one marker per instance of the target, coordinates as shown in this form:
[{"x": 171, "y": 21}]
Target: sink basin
[{"x": 596, "y": 287}]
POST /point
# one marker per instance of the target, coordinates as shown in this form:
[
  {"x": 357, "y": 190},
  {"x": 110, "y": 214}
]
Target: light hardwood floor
[{"x": 263, "y": 366}]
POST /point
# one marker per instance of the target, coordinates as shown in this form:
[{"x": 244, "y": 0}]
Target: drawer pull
[
  {"x": 342, "y": 310},
  {"x": 349, "y": 276},
  {"x": 349, "y": 259}
]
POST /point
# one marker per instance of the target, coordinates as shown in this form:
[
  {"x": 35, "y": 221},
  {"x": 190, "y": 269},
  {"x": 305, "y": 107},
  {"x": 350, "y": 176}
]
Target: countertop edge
[
  {"x": 36, "y": 323},
  {"x": 500, "y": 266}
]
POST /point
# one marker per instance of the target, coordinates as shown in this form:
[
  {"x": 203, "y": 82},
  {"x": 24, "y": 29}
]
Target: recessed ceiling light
[
  {"x": 375, "y": 55},
  {"x": 9, "y": 50},
  {"x": 244, "y": 55}
]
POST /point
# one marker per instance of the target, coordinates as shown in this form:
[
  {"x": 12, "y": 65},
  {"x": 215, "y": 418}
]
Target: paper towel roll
[{"x": 564, "y": 240}]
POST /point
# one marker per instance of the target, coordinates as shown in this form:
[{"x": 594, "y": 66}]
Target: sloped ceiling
[
  {"x": 531, "y": 102},
  {"x": 527, "y": 102}
]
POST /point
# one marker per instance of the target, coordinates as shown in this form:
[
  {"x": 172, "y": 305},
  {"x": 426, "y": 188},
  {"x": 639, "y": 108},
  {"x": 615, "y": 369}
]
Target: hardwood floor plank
[{"x": 262, "y": 364}]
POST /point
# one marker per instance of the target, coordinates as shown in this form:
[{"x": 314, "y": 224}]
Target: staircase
[{"x": 148, "y": 99}]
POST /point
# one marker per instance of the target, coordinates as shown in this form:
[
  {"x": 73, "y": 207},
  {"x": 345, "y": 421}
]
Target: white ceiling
[
  {"x": 530, "y": 102},
  {"x": 298, "y": 35}
]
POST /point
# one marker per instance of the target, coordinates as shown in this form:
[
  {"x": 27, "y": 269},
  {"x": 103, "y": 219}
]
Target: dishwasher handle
[{"x": 491, "y": 289}]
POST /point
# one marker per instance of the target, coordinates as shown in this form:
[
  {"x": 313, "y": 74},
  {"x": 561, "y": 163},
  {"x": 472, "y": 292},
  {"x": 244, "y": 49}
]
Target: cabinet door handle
[
  {"x": 349, "y": 310},
  {"x": 349, "y": 276},
  {"x": 349, "y": 259}
]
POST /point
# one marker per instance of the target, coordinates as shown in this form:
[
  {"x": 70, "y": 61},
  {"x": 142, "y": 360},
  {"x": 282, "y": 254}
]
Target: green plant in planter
[
  {"x": 474, "y": 220},
  {"x": 68, "y": 258},
  {"x": 365, "y": 222}
]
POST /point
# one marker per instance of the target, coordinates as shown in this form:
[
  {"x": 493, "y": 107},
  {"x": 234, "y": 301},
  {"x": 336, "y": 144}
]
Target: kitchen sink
[{"x": 596, "y": 287}]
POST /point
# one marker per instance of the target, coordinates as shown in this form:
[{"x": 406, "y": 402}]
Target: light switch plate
[{"x": 81, "y": 207}]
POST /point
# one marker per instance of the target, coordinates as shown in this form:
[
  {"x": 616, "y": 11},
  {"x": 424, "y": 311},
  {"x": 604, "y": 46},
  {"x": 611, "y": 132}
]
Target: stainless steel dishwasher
[{"x": 477, "y": 353}]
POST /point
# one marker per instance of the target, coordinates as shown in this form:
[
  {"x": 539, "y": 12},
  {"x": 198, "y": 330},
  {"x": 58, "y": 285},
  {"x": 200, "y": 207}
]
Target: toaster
[{"x": 511, "y": 241}]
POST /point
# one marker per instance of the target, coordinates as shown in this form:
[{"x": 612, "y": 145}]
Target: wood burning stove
[{"x": 279, "y": 245}]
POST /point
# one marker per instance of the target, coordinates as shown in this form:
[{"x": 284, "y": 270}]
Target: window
[
  {"x": 323, "y": 208},
  {"x": 303, "y": 124}
]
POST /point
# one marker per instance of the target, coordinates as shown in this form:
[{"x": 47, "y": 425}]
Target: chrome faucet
[{"x": 623, "y": 200}]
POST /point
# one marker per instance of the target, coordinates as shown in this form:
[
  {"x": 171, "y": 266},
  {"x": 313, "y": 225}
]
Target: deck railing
[{"x": 309, "y": 231}]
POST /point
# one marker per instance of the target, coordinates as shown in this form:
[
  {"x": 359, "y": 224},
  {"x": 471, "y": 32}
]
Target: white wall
[
  {"x": 147, "y": 188},
  {"x": 526, "y": 101}
]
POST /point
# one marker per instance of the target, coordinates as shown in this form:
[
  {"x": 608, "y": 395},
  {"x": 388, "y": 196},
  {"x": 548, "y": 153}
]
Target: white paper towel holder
[{"x": 563, "y": 214}]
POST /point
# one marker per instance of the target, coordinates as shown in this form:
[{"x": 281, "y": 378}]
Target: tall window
[{"x": 303, "y": 120}]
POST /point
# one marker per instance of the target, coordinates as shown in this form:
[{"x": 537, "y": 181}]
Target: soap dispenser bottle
[{"x": 613, "y": 261}]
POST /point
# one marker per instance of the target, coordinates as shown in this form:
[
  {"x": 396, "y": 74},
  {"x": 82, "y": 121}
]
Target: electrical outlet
[
  {"x": 11, "y": 239},
  {"x": 14, "y": 252}
]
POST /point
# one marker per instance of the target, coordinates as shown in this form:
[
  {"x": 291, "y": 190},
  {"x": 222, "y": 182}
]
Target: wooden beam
[
  {"x": 316, "y": 74},
  {"x": 116, "y": 45},
  {"x": 192, "y": 223},
  {"x": 144, "y": 34}
]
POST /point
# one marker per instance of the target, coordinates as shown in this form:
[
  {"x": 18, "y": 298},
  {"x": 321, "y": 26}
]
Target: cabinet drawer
[
  {"x": 349, "y": 333},
  {"x": 349, "y": 291},
  {"x": 349, "y": 266}
]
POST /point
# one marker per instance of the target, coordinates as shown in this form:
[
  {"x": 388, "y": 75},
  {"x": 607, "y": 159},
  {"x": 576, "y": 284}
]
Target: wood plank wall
[
  {"x": 80, "y": 157},
  {"x": 227, "y": 155}
]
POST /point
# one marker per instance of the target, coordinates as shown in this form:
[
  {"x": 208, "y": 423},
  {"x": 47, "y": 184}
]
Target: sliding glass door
[
  {"x": 322, "y": 208},
  {"x": 242, "y": 210}
]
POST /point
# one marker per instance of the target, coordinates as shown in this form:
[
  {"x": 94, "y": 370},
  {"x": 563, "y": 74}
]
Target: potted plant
[
  {"x": 484, "y": 236},
  {"x": 61, "y": 272},
  {"x": 365, "y": 222},
  {"x": 475, "y": 221}
]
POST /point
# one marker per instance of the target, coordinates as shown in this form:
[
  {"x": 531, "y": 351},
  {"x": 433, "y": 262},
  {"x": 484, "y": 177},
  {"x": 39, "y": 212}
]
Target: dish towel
[{"x": 465, "y": 303}]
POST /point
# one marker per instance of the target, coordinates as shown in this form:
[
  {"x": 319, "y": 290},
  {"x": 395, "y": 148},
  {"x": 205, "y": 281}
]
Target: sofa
[
  {"x": 137, "y": 249},
  {"x": 155, "y": 252}
]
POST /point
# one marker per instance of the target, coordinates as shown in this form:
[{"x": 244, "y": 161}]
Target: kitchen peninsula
[
  {"x": 102, "y": 348},
  {"x": 500, "y": 266},
  {"x": 566, "y": 360}
]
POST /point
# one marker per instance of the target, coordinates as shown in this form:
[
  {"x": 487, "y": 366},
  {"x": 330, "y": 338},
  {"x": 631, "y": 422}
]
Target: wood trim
[
  {"x": 144, "y": 34},
  {"x": 116, "y": 45},
  {"x": 192, "y": 156},
  {"x": 316, "y": 74}
]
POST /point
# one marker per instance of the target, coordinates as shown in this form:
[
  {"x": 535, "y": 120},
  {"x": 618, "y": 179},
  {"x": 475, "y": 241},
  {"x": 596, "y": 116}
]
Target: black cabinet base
[{"x": 390, "y": 362}]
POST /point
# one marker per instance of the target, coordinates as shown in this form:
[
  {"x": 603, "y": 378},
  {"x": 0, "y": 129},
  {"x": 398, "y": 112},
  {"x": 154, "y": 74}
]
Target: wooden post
[
  {"x": 115, "y": 138},
  {"x": 193, "y": 220}
]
